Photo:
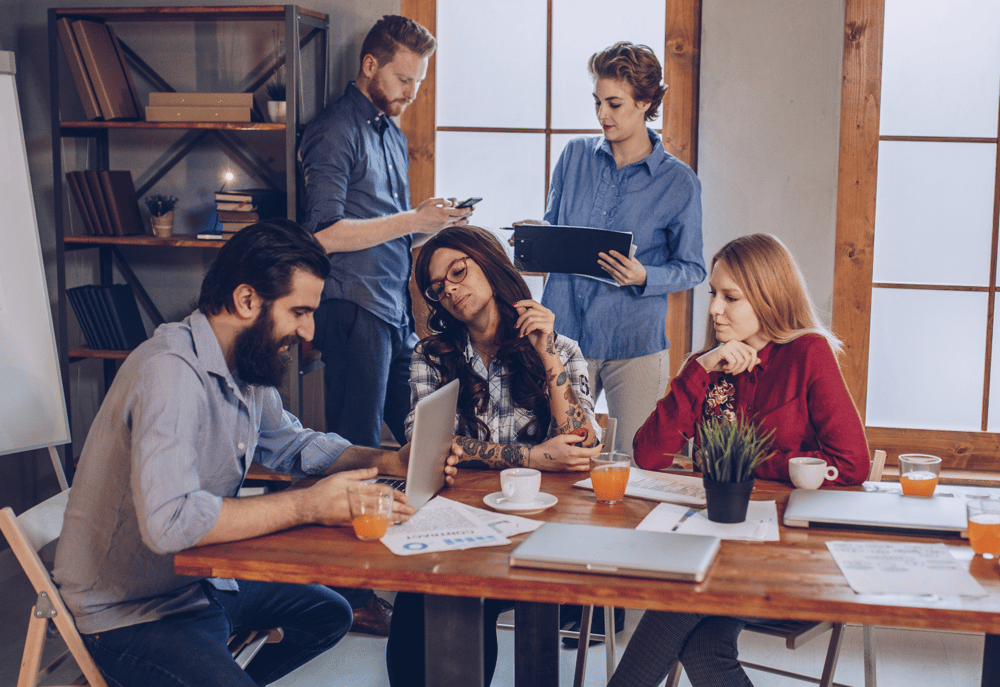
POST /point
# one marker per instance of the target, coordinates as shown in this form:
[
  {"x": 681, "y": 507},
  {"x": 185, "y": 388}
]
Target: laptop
[
  {"x": 433, "y": 431},
  {"x": 807, "y": 507},
  {"x": 617, "y": 551}
]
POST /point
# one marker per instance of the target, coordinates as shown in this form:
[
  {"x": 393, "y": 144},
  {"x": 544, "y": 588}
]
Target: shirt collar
[
  {"x": 765, "y": 354},
  {"x": 209, "y": 352},
  {"x": 366, "y": 108},
  {"x": 651, "y": 162}
]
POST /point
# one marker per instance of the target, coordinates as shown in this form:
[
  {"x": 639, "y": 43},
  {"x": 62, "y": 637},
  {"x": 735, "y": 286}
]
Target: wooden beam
[
  {"x": 681, "y": 70},
  {"x": 856, "y": 184}
]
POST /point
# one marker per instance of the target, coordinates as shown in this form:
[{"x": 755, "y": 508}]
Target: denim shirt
[
  {"x": 354, "y": 162},
  {"x": 175, "y": 434},
  {"x": 658, "y": 199}
]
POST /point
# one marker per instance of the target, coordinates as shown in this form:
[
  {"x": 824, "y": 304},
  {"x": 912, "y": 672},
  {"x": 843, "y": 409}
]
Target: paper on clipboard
[{"x": 568, "y": 250}]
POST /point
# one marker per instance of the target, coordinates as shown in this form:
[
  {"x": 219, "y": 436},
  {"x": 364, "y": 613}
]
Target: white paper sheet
[
  {"x": 446, "y": 525},
  {"x": 660, "y": 486},
  {"x": 761, "y": 523},
  {"x": 903, "y": 569}
]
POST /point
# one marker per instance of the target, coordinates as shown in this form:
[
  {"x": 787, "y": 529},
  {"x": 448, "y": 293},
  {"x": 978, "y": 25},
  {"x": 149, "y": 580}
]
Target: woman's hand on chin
[
  {"x": 562, "y": 454},
  {"x": 732, "y": 357},
  {"x": 536, "y": 322}
]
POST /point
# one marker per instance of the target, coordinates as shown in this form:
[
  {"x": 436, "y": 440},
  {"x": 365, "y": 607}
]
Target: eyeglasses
[{"x": 456, "y": 274}]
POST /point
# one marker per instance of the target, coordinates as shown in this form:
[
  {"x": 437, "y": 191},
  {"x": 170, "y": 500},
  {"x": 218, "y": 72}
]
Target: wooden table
[{"x": 795, "y": 578}]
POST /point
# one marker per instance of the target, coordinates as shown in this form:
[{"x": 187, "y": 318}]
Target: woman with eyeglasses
[{"x": 524, "y": 399}]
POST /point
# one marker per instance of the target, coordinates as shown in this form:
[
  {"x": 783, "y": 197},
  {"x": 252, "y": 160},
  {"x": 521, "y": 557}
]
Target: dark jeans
[
  {"x": 366, "y": 370},
  {"x": 189, "y": 649},
  {"x": 404, "y": 654}
]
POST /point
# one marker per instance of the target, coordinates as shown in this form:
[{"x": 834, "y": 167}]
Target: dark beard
[
  {"x": 392, "y": 108},
  {"x": 259, "y": 359}
]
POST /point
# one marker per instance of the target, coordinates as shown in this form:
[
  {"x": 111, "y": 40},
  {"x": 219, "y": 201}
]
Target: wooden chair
[
  {"x": 798, "y": 632},
  {"x": 27, "y": 534}
]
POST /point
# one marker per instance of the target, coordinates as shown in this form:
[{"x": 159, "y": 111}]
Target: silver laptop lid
[
  {"x": 617, "y": 551},
  {"x": 433, "y": 431},
  {"x": 866, "y": 509}
]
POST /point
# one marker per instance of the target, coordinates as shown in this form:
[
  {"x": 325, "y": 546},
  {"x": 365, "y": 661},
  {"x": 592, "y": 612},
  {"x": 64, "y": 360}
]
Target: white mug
[
  {"x": 809, "y": 473},
  {"x": 520, "y": 485}
]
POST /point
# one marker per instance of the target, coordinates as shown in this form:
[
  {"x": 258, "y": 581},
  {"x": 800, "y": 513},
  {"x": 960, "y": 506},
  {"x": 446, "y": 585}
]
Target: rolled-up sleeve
[{"x": 327, "y": 160}]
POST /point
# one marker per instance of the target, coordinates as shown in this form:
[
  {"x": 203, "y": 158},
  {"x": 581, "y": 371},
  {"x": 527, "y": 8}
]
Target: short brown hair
[
  {"x": 393, "y": 32},
  {"x": 637, "y": 66}
]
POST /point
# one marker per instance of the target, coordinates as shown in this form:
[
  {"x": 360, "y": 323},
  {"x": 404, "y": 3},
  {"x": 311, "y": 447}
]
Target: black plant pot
[{"x": 727, "y": 501}]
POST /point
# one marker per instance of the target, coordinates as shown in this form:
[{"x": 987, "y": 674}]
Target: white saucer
[{"x": 497, "y": 501}]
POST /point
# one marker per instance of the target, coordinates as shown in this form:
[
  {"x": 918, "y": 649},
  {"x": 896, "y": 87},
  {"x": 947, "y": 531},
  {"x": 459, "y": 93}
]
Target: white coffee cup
[
  {"x": 809, "y": 473},
  {"x": 520, "y": 485}
]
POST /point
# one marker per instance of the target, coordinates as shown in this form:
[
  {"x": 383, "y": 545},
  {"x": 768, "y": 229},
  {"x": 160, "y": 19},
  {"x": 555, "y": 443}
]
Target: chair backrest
[
  {"x": 26, "y": 534},
  {"x": 878, "y": 464}
]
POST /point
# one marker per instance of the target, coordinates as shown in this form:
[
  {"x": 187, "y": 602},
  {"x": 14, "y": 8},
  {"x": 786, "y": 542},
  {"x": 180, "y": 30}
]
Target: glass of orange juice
[
  {"x": 918, "y": 473},
  {"x": 984, "y": 525},
  {"x": 371, "y": 509},
  {"x": 609, "y": 475}
]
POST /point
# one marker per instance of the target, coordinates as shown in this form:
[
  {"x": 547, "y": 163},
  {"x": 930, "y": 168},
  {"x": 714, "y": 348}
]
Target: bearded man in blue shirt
[{"x": 188, "y": 412}]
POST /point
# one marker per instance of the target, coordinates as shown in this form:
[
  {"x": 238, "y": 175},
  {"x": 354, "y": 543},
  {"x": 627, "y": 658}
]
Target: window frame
[{"x": 682, "y": 52}]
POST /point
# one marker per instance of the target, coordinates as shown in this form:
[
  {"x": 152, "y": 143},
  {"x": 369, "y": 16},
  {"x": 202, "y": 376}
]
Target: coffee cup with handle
[
  {"x": 810, "y": 473},
  {"x": 520, "y": 485}
]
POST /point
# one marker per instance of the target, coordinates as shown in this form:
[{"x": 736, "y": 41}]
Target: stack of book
[
  {"x": 97, "y": 64},
  {"x": 108, "y": 316},
  {"x": 107, "y": 202},
  {"x": 199, "y": 107},
  {"x": 237, "y": 209}
]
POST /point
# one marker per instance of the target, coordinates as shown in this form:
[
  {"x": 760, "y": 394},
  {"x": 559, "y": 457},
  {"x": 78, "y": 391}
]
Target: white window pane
[
  {"x": 934, "y": 213},
  {"x": 925, "y": 359},
  {"x": 491, "y": 63},
  {"x": 582, "y": 27},
  {"x": 993, "y": 418},
  {"x": 939, "y": 68},
  {"x": 556, "y": 146},
  {"x": 506, "y": 170}
]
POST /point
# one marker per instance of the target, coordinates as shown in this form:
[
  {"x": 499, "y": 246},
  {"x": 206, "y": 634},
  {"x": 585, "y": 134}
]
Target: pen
[{"x": 690, "y": 512}]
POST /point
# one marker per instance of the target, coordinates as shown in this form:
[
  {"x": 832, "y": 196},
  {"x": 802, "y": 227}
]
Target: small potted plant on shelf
[
  {"x": 161, "y": 214},
  {"x": 730, "y": 450},
  {"x": 275, "y": 89}
]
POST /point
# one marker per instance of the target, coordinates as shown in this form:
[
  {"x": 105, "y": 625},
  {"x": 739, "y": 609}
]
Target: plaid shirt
[{"x": 504, "y": 420}]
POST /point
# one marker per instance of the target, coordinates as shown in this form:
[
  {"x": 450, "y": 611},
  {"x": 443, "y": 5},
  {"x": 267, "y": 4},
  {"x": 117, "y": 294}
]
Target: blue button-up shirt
[
  {"x": 175, "y": 434},
  {"x": 355, "y": 163},
  {"x": 658, "y": 199}
]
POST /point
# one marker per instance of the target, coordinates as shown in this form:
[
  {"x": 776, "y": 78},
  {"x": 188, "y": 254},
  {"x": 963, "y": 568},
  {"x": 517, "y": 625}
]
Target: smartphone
[{"x": 468, "y": 202}]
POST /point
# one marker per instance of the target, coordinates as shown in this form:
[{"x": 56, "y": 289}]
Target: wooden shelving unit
[{"x": 307, "y": 26}]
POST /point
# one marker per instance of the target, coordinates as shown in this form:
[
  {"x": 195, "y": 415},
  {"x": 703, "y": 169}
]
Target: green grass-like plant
[
  {"x": 160, "y": 205},
  {"x": 731, "y": 450},
  {"x": 275, "y": 89}
]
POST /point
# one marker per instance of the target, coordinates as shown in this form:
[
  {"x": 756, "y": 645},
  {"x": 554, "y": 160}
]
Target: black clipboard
[{"x": 568, "y": 250}]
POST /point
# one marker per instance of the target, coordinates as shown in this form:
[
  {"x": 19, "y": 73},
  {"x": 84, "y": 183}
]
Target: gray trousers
[{"x": 632, "y": 387}]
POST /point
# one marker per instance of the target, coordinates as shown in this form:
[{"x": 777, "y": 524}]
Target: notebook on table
[
  {"x": 864, "y": 509},
  {"x": 617, "y": 551},
  {"x": 433, "y": 431}
]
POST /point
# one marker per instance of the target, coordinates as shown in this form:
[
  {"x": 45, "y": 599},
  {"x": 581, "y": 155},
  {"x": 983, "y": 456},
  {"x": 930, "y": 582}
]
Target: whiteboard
[{"x": 32, "y": 406}]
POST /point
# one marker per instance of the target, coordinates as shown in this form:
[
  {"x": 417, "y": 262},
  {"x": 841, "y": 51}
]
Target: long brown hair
[
  {"x": 770, "y": 279},
  {"x": 445, "y": 348}
]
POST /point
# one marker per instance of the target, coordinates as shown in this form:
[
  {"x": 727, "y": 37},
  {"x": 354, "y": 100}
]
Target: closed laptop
[
  {"x": 864, "y": 509},
  {"x": 617, "y": 551}
]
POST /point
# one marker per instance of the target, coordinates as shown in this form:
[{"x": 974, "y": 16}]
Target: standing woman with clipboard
[{"x": 625, "y": 181}]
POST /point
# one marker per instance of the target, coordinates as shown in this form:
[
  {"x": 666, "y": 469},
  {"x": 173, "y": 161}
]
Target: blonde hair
[{"x": 770, "y": 279}]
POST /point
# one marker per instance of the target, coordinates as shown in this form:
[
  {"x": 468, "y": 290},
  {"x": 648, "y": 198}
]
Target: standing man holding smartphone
[{"x": 354, "y": 161}]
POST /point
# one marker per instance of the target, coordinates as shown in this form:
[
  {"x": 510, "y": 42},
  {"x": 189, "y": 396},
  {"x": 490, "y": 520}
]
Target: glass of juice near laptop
[
  {"x": 371, "y": 509},
  {"x": 609, "y": 476},
  {"x": 984, "y": 525},
  {"x": 918, "y": 474}
]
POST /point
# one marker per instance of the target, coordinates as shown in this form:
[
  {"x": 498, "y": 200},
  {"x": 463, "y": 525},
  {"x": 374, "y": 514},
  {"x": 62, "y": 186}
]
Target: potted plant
[
  {"x": 730, "y": 450},
  {"x": 161, "y": 214},
  {"x": 275, "y": 90}
]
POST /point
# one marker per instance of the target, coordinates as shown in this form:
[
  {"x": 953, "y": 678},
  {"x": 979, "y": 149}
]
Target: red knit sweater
[{"x": 797, "y": 390}]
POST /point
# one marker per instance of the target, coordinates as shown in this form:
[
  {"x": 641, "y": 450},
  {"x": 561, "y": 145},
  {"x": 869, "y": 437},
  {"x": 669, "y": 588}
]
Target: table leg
[
  {"x": 536, "y": 644},
  {"x": 453, "y": 626},
  {"x": 991, "y": 661}
]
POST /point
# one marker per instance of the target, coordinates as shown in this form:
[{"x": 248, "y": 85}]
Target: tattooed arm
[{"x": 485, "y": 455}]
